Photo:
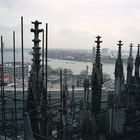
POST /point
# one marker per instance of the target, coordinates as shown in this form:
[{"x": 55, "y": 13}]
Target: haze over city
[
  {"x": 73, "y": 23},
  {"x": 78, "y": 81}
]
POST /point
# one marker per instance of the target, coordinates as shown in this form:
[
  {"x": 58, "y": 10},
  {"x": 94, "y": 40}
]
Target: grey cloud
[
  {"x": 8, "y": 3},
  {"x": 75, "y": 22}
]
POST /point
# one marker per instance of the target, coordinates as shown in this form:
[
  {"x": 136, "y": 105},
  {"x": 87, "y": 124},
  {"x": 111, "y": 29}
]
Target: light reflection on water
[{"x": 75, "y": 66}]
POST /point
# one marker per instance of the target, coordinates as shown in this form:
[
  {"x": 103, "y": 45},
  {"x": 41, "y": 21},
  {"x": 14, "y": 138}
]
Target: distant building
[
  {"x": 6, "y": 77},
  {"x": 81, "y": 79},
  {"x": 9, "y": 69},
  {"x": 105, "y": 51}
]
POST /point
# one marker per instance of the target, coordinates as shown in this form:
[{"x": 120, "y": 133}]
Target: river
[{"x": 75, "y": 66}]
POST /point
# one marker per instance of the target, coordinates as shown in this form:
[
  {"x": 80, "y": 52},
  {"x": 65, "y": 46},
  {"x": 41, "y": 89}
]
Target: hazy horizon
[{"x": 73, "y": 23}]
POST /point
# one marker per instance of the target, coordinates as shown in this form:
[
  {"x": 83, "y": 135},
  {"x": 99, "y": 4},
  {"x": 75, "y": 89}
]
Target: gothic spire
[
  {"x": 119, "y": 76},
  {"x": 129, "y": 65},
  {"x": 137, "y": 63},
  {"x": 97, "y": 80},
  {"x": 34, "y": 94}
]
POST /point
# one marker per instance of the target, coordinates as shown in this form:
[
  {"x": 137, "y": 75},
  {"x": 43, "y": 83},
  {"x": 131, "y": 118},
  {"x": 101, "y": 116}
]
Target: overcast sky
[{"x": 73, "y": 23}]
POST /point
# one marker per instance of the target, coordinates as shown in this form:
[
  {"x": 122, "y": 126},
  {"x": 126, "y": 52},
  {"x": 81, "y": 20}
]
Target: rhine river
[{"x": 75, "y": 66}]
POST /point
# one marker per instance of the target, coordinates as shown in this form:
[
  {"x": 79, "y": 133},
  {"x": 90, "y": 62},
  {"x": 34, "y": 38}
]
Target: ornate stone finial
[
  {"x": 36, "y": 27},
  {"x": 98, "y": 41},
  {"x": 97, "y": 58},
  {"x": 131, "y": 45},
  {"x": 120, "y": 43},
  {"x": 36, "y": 32}
]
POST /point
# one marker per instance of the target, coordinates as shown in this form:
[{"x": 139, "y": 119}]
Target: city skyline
[{"x": 73, "y": 23}]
